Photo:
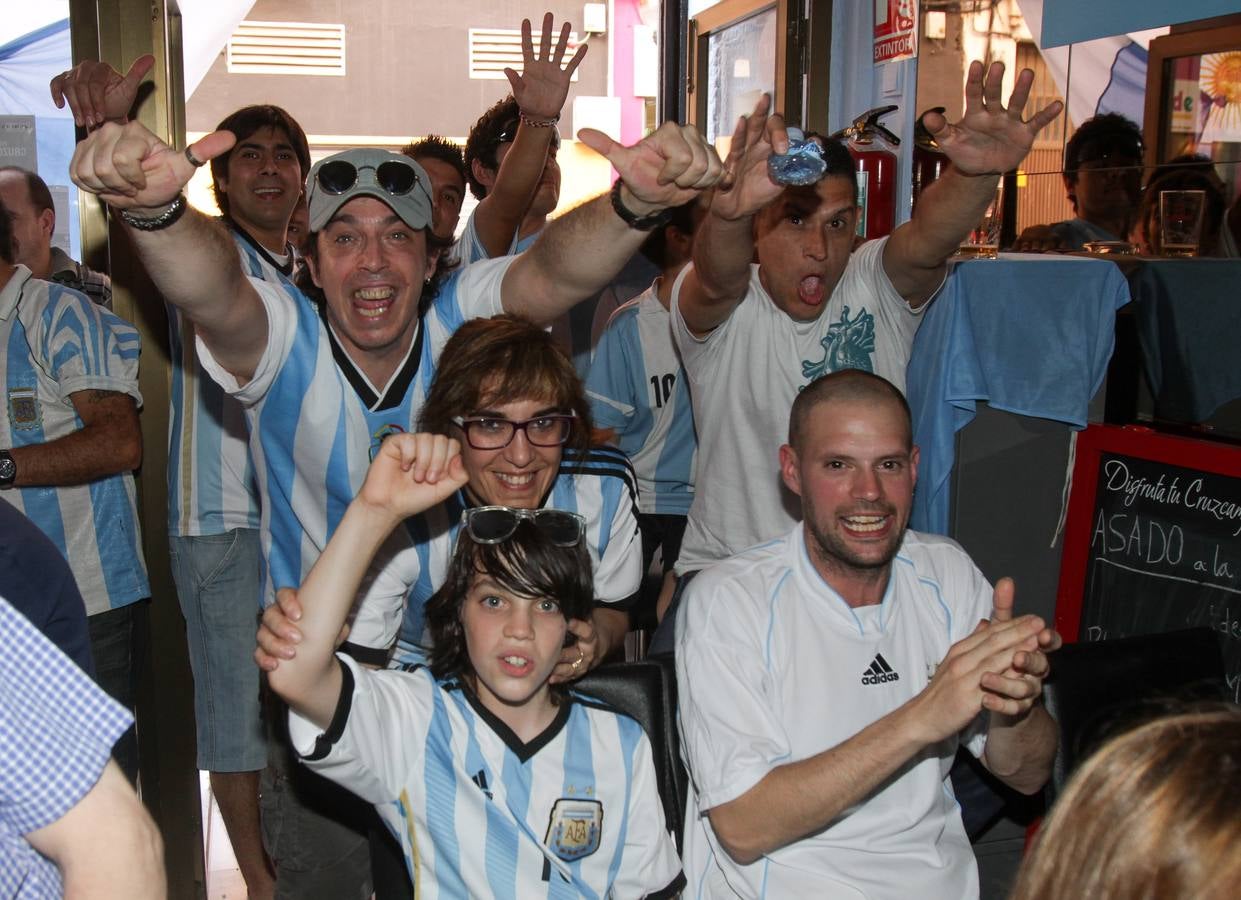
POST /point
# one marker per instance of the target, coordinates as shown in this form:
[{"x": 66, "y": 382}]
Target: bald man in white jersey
[{"x": 826, "y": 679}]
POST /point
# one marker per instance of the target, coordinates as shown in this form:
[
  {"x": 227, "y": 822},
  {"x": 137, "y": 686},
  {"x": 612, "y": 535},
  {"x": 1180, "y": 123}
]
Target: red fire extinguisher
[
  {"x": 929, "y": 161},
  {"x": 867, "y": 142}
]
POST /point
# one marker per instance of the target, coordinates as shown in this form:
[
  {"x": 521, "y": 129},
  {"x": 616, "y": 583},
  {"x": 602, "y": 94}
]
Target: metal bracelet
[
  {"x": 175, "y": 211},
  {"x": 538, "y": 123}
]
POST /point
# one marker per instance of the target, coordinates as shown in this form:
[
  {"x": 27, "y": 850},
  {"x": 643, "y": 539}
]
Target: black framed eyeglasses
[
  {"x": 495, "y": 524},
  {"x": 488, "y": 433},
  {"x": 338, "y": 176},
  {"x": 509, "y": 134}
]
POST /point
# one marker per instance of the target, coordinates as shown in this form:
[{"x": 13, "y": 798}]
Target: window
[
  {"x": 493, "y": 49},
  {"x": 287, "y": 48}
]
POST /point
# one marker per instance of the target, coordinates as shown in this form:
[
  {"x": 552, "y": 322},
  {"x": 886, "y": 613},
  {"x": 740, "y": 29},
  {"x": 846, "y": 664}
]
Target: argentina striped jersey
[
  {"x": 211, "y": 484},
  {"x": 311, "y": 431},
  {"x": 469, "y": 246},
  {"x": 478, "y": 813},
  {"x": 637, "y": 387},
  {"x": 56, "y": 343}
]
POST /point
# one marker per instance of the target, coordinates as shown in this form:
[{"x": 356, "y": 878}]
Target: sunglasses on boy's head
[
  {"x": 394, "y": 176},
  {"x": 509, "y": 133},
  {"x": 495, "y": 524}
]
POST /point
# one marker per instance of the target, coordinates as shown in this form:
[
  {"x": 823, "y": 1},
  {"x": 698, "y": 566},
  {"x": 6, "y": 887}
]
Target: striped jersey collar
[
  {"x": 398, "y": 385},
  {"x": 284, "y": 268}
]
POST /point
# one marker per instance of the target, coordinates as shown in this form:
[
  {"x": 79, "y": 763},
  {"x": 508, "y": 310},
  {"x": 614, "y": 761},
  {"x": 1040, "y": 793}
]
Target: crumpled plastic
[{"x": 802, "y": 165}]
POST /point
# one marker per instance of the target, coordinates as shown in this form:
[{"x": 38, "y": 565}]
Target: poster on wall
[
  {"x": 1220, "y": 82},
  {"x": 896, "y": 30},
  {"x": 17, "y": 142}
]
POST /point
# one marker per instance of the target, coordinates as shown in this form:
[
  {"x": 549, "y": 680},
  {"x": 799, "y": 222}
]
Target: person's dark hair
[
  {"x": 6, "y": 234},
  {"x": 655, "y": 247},
  {"x": 435, "y": 147},
  {"x": 1099, "y": 136},
  {"x": 839, "y": 162},
  {"x": 40, "y": 196},
  {"x": 245, "y": 122},
  {"x": 529, "y": 564},
  {"x": 491, "y": 362},
  {"x": 484, "y": 139},
  {"x": 1153, "y": 813},
  {"x": 438, "y": 246},
  {"x": 1195, "y": 163},
  {"x": 846, "y": 384}
]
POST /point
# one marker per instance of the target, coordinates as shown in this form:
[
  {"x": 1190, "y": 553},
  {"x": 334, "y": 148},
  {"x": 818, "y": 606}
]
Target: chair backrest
[
  {"x": 1098, "y": 688},
  {"x": 646, "y": 691}
]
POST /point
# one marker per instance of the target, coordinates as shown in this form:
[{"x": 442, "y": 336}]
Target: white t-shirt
[
  {"x": 478, "y": 813},
  {"x": 744, "y": 376},
  {"x": 774, "y": 667}
]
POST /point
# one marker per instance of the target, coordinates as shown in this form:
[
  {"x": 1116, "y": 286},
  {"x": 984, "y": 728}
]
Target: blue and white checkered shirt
[{"x": 57, "y": 729}]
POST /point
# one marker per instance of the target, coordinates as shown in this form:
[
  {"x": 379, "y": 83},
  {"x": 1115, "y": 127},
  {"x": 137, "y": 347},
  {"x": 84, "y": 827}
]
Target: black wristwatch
[
  {"x": 8, "y": 469},
  {"x": 649, "y": 222}
]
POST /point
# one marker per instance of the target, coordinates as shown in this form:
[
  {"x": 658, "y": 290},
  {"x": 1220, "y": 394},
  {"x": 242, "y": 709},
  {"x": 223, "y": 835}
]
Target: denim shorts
[{"x": 218, "y": 579}]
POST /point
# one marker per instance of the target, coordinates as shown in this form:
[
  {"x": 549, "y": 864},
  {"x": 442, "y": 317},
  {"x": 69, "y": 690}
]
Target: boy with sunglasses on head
[{"x": 494, "y": 781}]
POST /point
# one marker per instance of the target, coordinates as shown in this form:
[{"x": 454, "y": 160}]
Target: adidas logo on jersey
[{"x": 879, "y": 672}]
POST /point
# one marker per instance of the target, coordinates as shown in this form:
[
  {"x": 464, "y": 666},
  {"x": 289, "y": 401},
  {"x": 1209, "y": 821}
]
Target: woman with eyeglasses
[
  {"x": 495, "y": 781},
  {"x": 516, "y": 405}
]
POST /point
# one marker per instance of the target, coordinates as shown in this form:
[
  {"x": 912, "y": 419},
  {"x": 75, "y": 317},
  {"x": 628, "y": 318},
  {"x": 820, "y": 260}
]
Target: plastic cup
[
  {"x": 983, "y": 241},
  {"x": 1180, "y": 222}
]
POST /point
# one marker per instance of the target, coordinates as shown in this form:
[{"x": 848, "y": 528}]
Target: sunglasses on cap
[
  {"x": 495, "y": 524},
  {"x": 509, "y": 134},
  {"x": 395, "y": 177}
]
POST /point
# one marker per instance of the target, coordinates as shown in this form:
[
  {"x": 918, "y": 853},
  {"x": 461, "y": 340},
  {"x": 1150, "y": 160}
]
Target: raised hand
[
  {"x": 412, "y": 473},
  {"x": 97, "y": 93},
  {"x": 1015, "y": 690},
  {"x": 541, "y": 88},
  {"x": 130, "y": 168},
  {"x": 670, "y": 166},
  {"x": 990, "y": 139},
  {"x": 746, "y": 186}
]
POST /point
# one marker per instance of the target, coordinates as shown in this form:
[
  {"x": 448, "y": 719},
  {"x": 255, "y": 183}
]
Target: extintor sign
[{"x": 896, "y": 30}]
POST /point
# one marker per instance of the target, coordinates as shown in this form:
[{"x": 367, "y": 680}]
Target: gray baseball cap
[{"x": 364, "y": 172}]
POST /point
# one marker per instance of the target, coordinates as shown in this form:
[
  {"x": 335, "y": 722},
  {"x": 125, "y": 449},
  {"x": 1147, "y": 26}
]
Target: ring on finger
[{"x": 577, "y": 663}]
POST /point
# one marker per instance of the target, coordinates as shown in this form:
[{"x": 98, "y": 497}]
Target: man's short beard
[{"x": 836, "y": 556}]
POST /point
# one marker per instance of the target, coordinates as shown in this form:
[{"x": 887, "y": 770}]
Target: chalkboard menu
[{"x": 1153, "y": 540}]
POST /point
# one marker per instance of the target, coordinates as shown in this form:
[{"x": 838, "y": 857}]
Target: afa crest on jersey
[
  {"x": 24, "y": 412},
  {"x": 574, "y": 828}
]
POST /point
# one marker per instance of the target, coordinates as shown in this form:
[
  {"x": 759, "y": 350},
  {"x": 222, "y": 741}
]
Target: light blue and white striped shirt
[
  {"x": 575, "y": 812},
  {"x": 56, "y": 343},
  {"x": 211, "y": 484},
  {"x": 470, "y": 248},
  {"x": 637, "y": 387},
  {"x": 314, "y": 422}
]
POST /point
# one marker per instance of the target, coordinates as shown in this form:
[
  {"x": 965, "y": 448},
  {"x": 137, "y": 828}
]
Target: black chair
[
  {"x": 1096, "y": 689},
  {"x": 646, "y": 691}
]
